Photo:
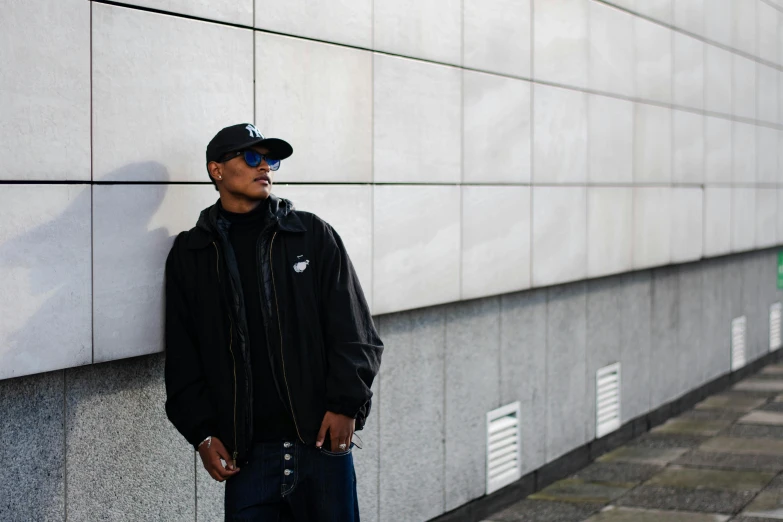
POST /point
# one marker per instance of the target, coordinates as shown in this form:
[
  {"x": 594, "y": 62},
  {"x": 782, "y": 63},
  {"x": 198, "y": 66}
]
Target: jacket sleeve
[
  {"x": 189, "y": 405},
  {"x": 353, "y": 347}
]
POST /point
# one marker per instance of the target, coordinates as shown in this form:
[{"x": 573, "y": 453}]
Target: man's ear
[{"x": 215, "y": 170}]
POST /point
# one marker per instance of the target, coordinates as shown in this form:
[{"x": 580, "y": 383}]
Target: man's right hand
[{"x": 211, "y": 456}]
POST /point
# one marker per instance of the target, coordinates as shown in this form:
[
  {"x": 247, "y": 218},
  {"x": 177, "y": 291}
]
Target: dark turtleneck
[{"x": 271, "y": 418}]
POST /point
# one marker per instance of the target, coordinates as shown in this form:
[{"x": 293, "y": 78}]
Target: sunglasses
[{"x": 253, "y": 158}]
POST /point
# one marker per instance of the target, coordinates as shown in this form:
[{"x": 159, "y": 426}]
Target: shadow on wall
[{"x": 46, "y": 294}]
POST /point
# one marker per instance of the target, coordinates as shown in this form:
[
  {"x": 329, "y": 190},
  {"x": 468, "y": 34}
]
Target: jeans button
[
  {"x": 286, "y": 444},
  {"x": 287, "y": 472},
  {"x": 287, "y": 456}
]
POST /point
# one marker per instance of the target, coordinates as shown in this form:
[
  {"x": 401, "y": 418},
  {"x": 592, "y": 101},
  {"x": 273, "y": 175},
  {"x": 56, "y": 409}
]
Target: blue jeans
[{"x": 288, "y": 481}]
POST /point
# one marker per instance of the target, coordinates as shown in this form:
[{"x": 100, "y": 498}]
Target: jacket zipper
[
  {"x": 233, "y": 360},
  {"x": 280, "y": 330}
]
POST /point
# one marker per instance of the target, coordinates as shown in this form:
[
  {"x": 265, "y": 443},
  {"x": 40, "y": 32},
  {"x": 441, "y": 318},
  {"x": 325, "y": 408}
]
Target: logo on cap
[{"x": 253, "y": 131}]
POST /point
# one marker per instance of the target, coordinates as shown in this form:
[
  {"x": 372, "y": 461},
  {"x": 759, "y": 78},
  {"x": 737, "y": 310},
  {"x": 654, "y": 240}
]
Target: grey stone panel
[
  {"x": 367, "y": 460},
  {"x": 472, "y": 389},
  {"x": 689, "y": 333},
  {"x": 209, "y": 494},
  {"x": 664, "y": 359},
  {"x": 603, "y": 336},
  {"x": 717, "y": 295},
  {"x": 523, "y": 368},
  {"x": 567, "y": 417},
  {"x": 412, "y": 415},
  {"x": 635, "y": 339},
  {"x": 753, "y": 303},
  {"x": 32, "y": 481},
  {"x": 123, "y": 457}
]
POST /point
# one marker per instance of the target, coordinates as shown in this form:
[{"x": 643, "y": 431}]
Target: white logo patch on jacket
[{"x": 301, "y": 264}]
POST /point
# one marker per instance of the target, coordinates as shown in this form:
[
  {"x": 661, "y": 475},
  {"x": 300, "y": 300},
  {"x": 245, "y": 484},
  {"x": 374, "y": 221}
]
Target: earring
[{"x": 220, "y": 177}]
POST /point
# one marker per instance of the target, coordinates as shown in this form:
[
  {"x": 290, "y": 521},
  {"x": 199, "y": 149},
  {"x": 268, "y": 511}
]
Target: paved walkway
[{"x": 722, "y": 461}]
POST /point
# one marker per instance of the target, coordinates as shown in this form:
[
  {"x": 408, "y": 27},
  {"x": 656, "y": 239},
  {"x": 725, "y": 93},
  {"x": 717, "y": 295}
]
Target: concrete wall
[
  {"x": 486, "y": 147},
  {"x": 93, "y": 443}
]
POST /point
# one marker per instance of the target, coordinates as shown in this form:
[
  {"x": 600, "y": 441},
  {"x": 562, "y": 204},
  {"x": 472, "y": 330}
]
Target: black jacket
[{"x": 323, "y": 346}]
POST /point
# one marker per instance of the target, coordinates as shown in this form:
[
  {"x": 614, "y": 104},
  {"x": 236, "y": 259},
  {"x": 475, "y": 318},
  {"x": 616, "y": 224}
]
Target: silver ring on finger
[{"x": 343, "y": 447}]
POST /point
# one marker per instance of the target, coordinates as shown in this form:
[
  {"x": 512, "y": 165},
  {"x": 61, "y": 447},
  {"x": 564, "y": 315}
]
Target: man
[{"x": 270, "y": 346}]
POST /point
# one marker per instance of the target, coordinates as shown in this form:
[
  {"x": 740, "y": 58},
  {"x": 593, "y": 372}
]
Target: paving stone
[
  {"x": 770, "y": 418},
  {"x": 617, "y": 472},
  {"x": 623, "y": 514},
  {"x": 767, "y": 377},
  {"x": 773, "y": 369},
  {"x": 643, "y": 455},
  {"x": 672, "y": 498},
  {"x": 743, "y": 446},
  {"x": 772, "y": 406},
  {"x": 711, "y": 479},
  {"x": 713, "y": 415},
  {"x": 754, "y": 431},
  {"x": 575, "y": 490},
  {"x": 768, "y": 504},
  {"x": 668, "y": 440},
  {"x": 542, "y": 511},
  {"x": 732, "y": 402},
  {"x": 751, "y": 519},
  {"x": 705, "y": 428},
  {"x": 779, "y": 398},
  {"x": 702, "y": 459},
  {"x": 759, "y": 385}
]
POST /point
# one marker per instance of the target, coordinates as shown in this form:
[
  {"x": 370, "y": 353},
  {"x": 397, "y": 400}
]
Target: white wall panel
[
  {"x": 610, "y": 139},
  {"x": 652, "y": 144},
  {"x": 717, "y": 79},
  {"x": 348, "y": 209},
  {"x": 743, "y": 219},
  {"x": 609, "y": 230},
  {"x": 495, "y": 240},
  {"x": 152, "y": 98},
  {"x": 744, "y": 25},
  {"x": 717, "y": 150},
  {"x": 653, "y": 48},
  {"x": 744, "y": 153},
  {"x": 767, "y": 94},
  {"x": 767, "y": 143},
  {"x": 560, "y": 45},
  {"x": 688, "y": 165},
  {"x": 652, "y": 226},
  {"x": 45, "y": 288},
  {"x": 431, "y": 30},
  {"x": 688, "y": 71},
  {"x": 417, "y": 122},
  {"x": 687, "y": 220},
  {"x": 780, "y": 217},
  {"x": 689, "y": 15},
  {"x": 45, "y": 90},
  {"x": 743, "y": 87},
  {"x": 134, "y": 228},
  {"x": 416, "y": 246},
  {"x": 497, "y": 36},
  {"x": 559, "y": 135},
  {"x": 496, "y": 129},
  {"x": 232, "y": 11},
  {"x": 340, "y": 21},
  {"x": 717, "y": 221},
  {"x": 766, "y": 217},
  {"x": 322, "y": 106},
  {"x": 767, "y": 31},
  {"x": 718, "y": 21},
  {"x": 660, "y": 10},
  {"x": 559, "y": 235},
  {"x": 611, "y": 57}
]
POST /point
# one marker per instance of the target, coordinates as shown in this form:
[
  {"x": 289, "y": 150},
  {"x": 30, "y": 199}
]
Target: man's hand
[
  {"x": 211, "y": 456},
  {"x": 340, "y": 428}
]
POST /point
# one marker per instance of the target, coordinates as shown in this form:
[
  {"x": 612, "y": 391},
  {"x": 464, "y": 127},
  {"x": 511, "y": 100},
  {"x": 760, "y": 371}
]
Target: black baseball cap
[{"x": 243, "y": 136}]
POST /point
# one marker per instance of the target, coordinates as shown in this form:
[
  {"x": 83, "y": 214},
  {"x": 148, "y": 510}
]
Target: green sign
[{"x": 780, "y": 270}]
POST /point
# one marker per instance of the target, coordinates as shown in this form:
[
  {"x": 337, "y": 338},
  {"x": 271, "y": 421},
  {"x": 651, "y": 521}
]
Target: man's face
[{"x": 241, "y": 180}]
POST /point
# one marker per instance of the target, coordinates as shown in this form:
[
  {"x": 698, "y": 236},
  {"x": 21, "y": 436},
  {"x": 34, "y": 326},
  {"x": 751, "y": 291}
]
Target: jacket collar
[{"x": 279, "y": 210}]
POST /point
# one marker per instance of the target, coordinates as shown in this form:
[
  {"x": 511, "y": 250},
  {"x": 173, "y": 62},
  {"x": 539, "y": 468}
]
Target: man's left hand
[{"x": 340, "y": 428}]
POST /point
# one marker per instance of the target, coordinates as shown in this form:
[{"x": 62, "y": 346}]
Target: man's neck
[{"x": 239, "y": 205}]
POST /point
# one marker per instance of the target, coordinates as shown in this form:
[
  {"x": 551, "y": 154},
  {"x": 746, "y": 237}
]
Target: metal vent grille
[
  {"x": 607, "y": 399},
  {"x": 775, "y": 316},
  {"x": 738, "y": 329},
  {"x": 504, "y": 447}
]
